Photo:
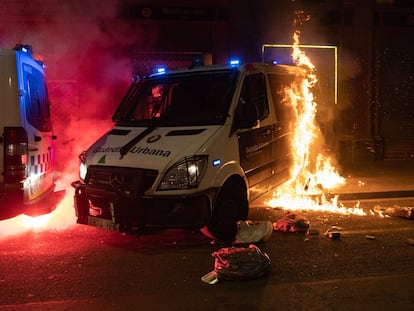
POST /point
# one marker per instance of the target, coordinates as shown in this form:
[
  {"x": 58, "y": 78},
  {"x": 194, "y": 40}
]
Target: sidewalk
[{"x": 377, "y": 179}]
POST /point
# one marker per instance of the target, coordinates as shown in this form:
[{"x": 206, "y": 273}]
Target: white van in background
[
  {"x": 190, "y": 148},
  {"x": 26, "y": 141}
]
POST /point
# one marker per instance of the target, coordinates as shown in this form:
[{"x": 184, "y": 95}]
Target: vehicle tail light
[{"x": 15, "y": 154}]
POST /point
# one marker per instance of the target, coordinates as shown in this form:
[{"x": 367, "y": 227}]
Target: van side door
[
  {"x": 255, "y": 138},
  {"x": 279, "y": 86}
]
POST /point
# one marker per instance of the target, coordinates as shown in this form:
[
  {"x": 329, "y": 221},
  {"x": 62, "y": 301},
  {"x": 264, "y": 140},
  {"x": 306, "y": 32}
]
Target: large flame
[{"x": 313, "y": 173}]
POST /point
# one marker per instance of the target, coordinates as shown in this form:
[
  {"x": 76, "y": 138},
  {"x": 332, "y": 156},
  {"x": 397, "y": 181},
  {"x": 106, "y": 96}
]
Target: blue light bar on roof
[
  {"x": 24, "y": 48},
  {"x": 160, "y": 70},
  {"x": 234, "y": 62}
]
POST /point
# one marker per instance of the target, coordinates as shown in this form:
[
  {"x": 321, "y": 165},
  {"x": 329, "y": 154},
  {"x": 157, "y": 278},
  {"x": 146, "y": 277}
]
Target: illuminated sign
[{"x": 175, "y": 13}]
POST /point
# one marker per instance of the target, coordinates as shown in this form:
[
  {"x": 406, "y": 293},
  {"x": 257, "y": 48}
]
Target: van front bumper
[{"x": 116, "y": 210}]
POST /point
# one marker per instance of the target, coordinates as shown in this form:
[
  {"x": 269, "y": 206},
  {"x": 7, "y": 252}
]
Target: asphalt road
[{"x": 75, "y": 267}]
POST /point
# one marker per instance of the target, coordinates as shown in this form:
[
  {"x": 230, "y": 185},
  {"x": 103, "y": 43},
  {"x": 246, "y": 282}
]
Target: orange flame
[{"x": 312, "y": 172}]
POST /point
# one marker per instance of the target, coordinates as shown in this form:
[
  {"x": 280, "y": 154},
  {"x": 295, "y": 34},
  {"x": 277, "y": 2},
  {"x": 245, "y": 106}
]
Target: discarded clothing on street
[
  {"x": 395, "y": 211},
  {"x": 292, "y": 223},
  {"x": 238, "y": 263},
  {"x": 253, "y": 231}
]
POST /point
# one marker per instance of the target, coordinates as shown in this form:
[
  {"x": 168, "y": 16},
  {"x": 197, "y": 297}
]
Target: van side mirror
[{"x": 246, "y": 114}]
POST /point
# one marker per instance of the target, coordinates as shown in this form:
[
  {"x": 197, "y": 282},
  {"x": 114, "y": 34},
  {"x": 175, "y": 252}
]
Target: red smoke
[{"x": 88, "y": 67}]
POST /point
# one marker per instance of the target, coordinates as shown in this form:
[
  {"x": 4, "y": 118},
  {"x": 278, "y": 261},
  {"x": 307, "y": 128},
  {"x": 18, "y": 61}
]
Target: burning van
[
  {"x": 26, "y": 141},
  {"x": 190, "y": 148}
]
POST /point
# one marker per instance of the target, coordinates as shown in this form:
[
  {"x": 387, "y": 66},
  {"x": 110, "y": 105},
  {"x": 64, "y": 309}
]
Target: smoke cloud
[{"x": 86, "y": 49}]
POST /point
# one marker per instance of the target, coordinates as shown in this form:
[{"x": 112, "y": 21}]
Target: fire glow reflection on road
[{"x": 61, "y": 218}]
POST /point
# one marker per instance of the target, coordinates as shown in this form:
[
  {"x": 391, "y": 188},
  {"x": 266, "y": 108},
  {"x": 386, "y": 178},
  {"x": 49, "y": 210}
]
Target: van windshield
[{"x": 197, "y": 98}]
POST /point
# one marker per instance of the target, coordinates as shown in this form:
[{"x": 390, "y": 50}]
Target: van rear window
[{"x": 37, "y": 101}]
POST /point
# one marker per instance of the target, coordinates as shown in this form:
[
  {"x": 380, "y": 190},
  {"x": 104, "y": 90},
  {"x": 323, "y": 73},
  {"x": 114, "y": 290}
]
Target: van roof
[{"x": 247, "y": 68}]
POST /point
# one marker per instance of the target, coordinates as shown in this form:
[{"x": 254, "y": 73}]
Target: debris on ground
[
  {"x": 370, "y": 237},
  {"x": 253, "y": 231},
  {"x": 395, "y": 211},
  {"x": 238, "y": 263},
  {"x": 292, "y": 223},
  {"x": 333, "y": 233},
  {"x": 410, "y": 241}
]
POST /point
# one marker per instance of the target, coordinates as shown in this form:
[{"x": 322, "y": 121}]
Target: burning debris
[{"x": 313, "y": 173}]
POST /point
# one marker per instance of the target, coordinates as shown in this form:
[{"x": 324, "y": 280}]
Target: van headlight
[{"x": 185, "y": 174}]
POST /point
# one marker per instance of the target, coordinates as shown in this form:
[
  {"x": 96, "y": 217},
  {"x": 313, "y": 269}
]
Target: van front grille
[{"x": 127, "y": 179}]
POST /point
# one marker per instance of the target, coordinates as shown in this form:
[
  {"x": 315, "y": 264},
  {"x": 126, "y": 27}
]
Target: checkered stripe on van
[{"x": 40, "y": 163}]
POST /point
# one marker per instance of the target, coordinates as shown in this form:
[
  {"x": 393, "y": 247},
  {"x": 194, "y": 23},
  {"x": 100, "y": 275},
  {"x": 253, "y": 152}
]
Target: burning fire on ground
[{"x": 313, "y": 173}]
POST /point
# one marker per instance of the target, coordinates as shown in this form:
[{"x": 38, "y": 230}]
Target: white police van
[
  {"x": 190, "y": 148},
  {"x": 26, "y": 141}
]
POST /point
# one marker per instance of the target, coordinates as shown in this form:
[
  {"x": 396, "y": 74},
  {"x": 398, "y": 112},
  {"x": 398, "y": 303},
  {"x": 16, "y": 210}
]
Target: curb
[{"x": 374, "y": 195}]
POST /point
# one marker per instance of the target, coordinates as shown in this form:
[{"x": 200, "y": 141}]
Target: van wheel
[{"x": 231, "y": 205}]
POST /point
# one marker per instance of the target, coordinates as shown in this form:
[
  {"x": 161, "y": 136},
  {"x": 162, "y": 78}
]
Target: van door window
[
  {"x": 253, "y": 100},
  {"x": 254, "y": 91},
  {"x": 279, "y": 86},
  {"x": 37, "y": 101}
]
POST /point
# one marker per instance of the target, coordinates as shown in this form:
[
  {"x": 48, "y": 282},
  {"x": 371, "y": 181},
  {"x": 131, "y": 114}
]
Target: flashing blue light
[
  {"x": 216, "y": 162},
  {"x": 275, "y": 62},
  {"x": 160, "y": 70},
  {"x": 234, "y": 62},
  {"x": 23, "y": 48}
]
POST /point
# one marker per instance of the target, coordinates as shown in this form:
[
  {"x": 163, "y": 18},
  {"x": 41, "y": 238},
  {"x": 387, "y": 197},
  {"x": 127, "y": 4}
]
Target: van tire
[{"x": 230, "y": 206}]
